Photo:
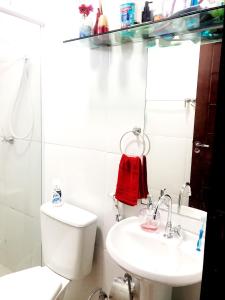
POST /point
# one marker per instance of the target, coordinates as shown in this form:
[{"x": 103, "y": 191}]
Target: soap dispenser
[{"x": 147, "y": 13}]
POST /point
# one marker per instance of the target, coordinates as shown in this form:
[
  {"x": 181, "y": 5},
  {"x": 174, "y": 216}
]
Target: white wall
[{"x": 84, "y": 118}]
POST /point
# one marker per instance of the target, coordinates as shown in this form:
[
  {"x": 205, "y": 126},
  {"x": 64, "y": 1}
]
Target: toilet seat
[{"x": 33, "y": 283}]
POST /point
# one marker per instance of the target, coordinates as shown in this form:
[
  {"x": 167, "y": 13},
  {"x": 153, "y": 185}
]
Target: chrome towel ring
[{"x": 137, "y": 132}]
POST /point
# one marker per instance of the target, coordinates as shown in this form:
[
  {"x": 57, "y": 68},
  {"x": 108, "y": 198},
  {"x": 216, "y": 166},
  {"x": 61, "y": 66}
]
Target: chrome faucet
[
  {"x": 181, "y": 194},
  {"x": 167, "y": 200}
]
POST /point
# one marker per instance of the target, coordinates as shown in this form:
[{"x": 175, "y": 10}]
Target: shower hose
[{"x": 17, "y": 101}]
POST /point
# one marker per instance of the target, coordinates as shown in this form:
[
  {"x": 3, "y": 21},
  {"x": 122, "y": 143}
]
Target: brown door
[{"x": 204, "y": 124}]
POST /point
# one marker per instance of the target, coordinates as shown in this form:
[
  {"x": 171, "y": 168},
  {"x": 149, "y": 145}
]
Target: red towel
[{"x": 132, "y": 180}]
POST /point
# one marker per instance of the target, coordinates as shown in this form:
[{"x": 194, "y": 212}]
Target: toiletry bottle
[
  {"x": 127, "y": 14},
  {"x": 194, "y": 2},
  {"x": 57, "y": 196},
  {"x": 95, "y": 29},
  {"x": 147, "y": 13},
  {"x": 102, "y": 26},
  {"x": 58, "y": 190}
]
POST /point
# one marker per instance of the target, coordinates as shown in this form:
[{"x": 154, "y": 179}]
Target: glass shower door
[{"x": 20, "y": 144}]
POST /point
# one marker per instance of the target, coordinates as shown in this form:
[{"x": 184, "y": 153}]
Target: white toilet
[{"x": 68, "y": 237}]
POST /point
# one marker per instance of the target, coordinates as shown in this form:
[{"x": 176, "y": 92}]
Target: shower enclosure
[{"x": 20, "y": 143}]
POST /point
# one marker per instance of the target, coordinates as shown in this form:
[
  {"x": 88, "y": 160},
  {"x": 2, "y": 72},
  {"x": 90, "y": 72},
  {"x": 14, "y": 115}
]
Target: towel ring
[{"x": 137, "y": 132}]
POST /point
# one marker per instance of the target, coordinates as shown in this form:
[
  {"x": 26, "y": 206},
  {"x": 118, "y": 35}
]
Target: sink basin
[{"x": 149, "y": 255}]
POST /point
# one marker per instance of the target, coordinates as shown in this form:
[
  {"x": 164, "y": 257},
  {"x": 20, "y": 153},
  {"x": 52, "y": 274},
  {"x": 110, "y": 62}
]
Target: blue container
[
  {"x": 194, "y": 2},
  {"x": 127, "y": 14}
]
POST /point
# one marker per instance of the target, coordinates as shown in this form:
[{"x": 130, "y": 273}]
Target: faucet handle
[
  {"x": 189, "y": 188},
  {"x": 177, "y": 231},
  {"x": 162, "y": 193},
  {"x": 147, "y": 201}
]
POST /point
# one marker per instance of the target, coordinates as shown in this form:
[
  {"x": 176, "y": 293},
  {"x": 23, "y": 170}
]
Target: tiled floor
[{"x": 4, "y": 270}]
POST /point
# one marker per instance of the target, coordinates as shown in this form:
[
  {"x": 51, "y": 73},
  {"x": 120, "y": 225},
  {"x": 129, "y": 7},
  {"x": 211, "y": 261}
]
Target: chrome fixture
[
  {"x": 181, "y": 194},
  {"x": 177, "y": 231},
  {"x": 123, "y": 284},
  {"x": 116, "y": 204},
  {"x": 170, "y": 231},
  {"x": 147, "y": 201},
  {"x": 8, "y": 139},
  {"x": 144, "y": 137},
  {"x": 101, "y": 294},
  {"x": 128, "y": 279},
  {"x": 198, "y": 145},
  {"x": 167, "y": 200},
  {"x": 192, "y": 102}
]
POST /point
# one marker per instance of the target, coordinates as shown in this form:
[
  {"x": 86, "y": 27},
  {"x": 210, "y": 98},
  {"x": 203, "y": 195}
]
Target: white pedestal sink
[{"x": 159, "y": 262}]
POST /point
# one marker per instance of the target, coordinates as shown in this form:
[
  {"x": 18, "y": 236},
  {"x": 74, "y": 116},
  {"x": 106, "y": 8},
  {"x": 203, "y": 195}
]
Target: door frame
[{"x": 214, "y": 256}]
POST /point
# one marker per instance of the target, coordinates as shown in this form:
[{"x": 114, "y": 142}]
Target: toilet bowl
[
  {"x": 68, "y": 237},
  {"x": 32, "y": 284}
]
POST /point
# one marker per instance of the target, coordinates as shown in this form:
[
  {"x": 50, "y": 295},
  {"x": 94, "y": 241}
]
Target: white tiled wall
[{"x": 87, "y": 116}]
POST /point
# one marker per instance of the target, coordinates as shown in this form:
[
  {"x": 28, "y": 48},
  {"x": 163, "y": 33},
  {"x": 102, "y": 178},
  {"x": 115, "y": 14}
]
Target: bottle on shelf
[
  {"x": 127, "y": 14},
  {"x": 101, "y": 25},
  {"x": 95, "y": 29},
  {"x": 147, "y": 13}
]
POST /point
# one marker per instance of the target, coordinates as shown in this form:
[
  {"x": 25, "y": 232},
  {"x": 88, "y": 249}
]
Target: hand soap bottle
[
  {"x": 57, "y": 196},
  {"x": 147, "y": 13}
]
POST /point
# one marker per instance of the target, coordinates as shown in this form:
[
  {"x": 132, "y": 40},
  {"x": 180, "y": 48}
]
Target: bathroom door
[{"x": 204, "y": 128}]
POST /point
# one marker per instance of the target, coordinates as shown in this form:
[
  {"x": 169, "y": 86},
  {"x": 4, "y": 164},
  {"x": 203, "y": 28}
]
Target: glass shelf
[{"x": 206, "y": 24}]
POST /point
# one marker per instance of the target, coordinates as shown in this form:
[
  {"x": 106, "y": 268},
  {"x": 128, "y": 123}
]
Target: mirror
[{"x": 180, "y": 78}]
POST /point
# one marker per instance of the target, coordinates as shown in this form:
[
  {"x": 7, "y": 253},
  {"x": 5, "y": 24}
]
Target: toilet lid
[{"x": 34, "y": 283}]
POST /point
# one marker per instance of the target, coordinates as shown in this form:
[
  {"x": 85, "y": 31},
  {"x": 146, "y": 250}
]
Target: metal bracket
[
  {"x": 128, "y": 278},
  {"x": 8, "y": 139},
  {"x": 192, "y": 102},
  {"x": 136, "y": 131},
  {"x": 102, "y": 294}
]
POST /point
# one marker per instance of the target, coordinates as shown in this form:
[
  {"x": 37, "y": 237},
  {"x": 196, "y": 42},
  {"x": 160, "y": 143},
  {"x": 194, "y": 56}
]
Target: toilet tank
[{"x": 68, "y": 238}]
